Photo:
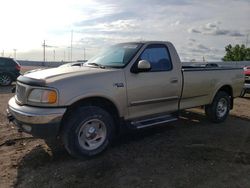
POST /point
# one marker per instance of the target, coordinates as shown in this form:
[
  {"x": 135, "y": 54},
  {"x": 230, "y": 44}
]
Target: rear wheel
[
  {"x": 219, "y": 109},
  {"x": 5, "y": 79},
  {"x": 88, "y": 131}
]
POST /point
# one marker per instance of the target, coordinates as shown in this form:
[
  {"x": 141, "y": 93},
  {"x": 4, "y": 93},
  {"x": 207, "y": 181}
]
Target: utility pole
[
  {"x": 84, "y": 54},
  {"x": 44, "y": 55},
  {"x": 203, "y": 59},
  {"x": 68, "y": 54},
  {"x": 44, "y": 45},
  {"x": 15, "y": 53},
  {"x": 54, "y": 54},
  {"x": 71, "y": 45}
]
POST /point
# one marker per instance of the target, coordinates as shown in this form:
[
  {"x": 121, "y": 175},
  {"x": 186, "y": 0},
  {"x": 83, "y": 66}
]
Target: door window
[{"x": 158, "y": 56}]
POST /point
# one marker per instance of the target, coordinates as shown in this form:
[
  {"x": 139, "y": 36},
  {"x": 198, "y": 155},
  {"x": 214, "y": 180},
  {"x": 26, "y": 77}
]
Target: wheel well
[
  {"x": 228, "y": 89},
  {"x": 95, "y": 101}
]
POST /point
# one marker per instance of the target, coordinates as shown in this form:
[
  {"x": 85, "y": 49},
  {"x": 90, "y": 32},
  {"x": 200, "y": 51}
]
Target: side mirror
[{"x": 142, "y": 66}]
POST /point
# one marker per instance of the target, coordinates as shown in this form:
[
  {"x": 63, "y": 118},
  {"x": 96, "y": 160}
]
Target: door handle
[{"x": 174, "y": 80}]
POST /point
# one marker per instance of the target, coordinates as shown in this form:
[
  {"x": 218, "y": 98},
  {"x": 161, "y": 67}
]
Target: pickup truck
[
  {"x": 135, "y": 85},
  {"x": 246, "y": 88}
]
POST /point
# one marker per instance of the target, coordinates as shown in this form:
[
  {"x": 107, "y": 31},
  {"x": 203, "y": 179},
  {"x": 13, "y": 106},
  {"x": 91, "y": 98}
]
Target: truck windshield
[{"x": 116, "y": 56}]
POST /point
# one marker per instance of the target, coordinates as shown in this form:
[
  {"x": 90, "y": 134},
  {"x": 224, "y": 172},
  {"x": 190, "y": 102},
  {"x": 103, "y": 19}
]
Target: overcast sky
[{"x": 196, "y": 28}]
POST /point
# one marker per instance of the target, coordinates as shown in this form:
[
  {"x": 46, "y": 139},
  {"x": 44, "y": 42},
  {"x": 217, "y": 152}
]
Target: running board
[{"x": 139, "y": 124}]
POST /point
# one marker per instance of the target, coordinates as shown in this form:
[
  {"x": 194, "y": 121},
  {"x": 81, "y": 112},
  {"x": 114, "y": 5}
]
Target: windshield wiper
[{"x": 97, "y": 65}]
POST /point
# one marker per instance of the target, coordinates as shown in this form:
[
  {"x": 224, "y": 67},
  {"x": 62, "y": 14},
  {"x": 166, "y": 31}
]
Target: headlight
[{"x": 45, "y": 96}]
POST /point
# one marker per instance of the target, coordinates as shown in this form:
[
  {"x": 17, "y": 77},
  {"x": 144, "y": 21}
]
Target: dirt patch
[{"x": 191, "y": 152}]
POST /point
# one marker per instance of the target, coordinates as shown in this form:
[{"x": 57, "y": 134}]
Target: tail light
[{"x": 18, "y": 67}]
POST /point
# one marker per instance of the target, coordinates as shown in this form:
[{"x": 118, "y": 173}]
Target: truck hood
[{"x": 43, "y": 77}]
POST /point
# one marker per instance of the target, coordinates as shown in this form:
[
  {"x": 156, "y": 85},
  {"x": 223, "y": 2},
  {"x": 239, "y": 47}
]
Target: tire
[
  {"x": 218, "y": 111},
  {"x": 87, "y": 131},
  {"x": 5, "y": 79}
]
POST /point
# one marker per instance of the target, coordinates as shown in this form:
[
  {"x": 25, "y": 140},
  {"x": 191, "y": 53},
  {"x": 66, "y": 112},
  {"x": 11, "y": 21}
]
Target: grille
[{"x": 20, "y": 93}]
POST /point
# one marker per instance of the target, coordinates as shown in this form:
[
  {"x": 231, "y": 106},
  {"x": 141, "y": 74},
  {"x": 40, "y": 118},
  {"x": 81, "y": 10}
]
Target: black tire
[
  {"x": 82, "y": 128},
  {"x": 5, "y": 79},
  {"x": 218, "y": 111}
]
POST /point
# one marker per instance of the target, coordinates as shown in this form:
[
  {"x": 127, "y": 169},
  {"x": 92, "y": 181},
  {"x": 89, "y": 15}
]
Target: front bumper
[{"x": 39, "y": 122}]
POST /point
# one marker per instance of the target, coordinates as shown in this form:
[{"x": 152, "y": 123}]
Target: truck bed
[{"x": 201, "y": 83}]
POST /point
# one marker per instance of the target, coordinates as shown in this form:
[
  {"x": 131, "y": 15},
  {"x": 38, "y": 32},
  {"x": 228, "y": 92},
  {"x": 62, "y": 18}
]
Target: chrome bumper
[{"x": 41, "y": 122}]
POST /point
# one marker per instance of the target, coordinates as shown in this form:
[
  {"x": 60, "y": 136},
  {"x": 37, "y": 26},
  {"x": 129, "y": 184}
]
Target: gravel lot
[{"x": 191, "y": 152}]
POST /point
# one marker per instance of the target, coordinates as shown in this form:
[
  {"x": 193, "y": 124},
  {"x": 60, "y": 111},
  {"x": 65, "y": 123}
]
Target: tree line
[{"x": 237, "y": 53}]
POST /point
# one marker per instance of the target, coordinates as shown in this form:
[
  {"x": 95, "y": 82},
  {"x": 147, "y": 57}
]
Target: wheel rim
[
  {"x": 5, "y": 79},
  {"x": 92, "y": 134},
  {"x": 222, "y": 108}
]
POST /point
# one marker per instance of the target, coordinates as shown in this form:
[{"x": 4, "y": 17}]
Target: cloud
[
  {"x": 214, "y": 29},
  {"x": 192, "y": 40},
  {"x": 236, "y": 34},
  {"x": 192, "y": 30},
  {"x": 176, "y": 23},
  {"x": 211, "y": 25},
  {"x": 106, "y": 19},
  {"x": 150, "y": 2}
]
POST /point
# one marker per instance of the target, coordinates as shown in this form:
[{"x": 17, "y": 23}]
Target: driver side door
[{"x": 157, "y": 90}]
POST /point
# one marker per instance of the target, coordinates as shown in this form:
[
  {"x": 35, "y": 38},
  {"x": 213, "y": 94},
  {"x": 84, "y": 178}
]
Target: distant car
[
  {"x": 9, "y": 71},
  {"x": 246, "y": 88}
]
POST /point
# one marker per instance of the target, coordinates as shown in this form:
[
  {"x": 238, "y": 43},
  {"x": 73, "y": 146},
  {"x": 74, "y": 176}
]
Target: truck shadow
[
  {"x": 247, "y": 96},
  {"x": 136, "y": 152},
  {"x": 6, "y": 89}
]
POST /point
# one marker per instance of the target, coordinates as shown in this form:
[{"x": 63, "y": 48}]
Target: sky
[{"x": 198, "y": 29}]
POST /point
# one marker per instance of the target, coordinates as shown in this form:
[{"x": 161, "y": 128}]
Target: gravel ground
[{"x": 191, "y": 152}]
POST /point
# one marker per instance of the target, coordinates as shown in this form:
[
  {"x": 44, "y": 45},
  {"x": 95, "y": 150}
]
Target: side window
[{"x": 158, "y": 56}]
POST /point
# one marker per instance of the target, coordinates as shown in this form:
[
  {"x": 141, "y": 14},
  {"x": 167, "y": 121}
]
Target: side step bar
[{"x": 139, "y": 124}]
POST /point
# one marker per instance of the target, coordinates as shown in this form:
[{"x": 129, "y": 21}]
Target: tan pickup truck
[{"x": 136, "y": 85}]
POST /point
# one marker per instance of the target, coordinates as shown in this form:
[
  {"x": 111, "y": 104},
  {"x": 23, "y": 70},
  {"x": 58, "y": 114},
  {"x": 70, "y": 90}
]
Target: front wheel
[
  {"x": 88, "y": 131},
  {"x": 218, "y": 111},
  {"x": 5, "y": 79}
]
